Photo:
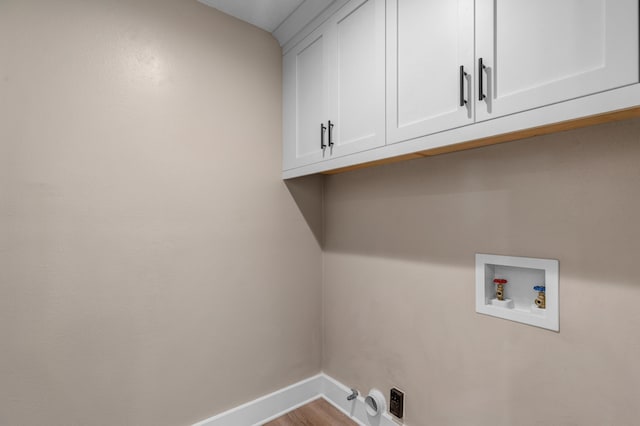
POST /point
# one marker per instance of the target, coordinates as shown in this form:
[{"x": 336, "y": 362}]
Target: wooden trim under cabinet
[{"x": 505, "y": 137}]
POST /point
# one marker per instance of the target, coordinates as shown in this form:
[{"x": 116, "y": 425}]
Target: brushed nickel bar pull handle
[
  {"x": 481, "y": 68},
  {"x": 330, "y": 133},
  {"x": 323, "y": 129},
  {"x": 463, "y": 74}
]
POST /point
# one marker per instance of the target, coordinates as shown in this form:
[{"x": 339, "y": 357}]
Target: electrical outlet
[{"x": 396, "y": 405}]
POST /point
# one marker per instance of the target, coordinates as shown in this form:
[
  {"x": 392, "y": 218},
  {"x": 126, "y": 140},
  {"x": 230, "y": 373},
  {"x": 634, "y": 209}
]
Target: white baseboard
[
  {"x": 273, "y": 405},
  {"x": 336, "y": 393}
]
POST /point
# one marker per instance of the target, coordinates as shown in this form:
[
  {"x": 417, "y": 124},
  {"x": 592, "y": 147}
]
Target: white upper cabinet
[
  {"x": 430, "y": 63},
  {"x": 334, "y": 87},
  {"x": 381, "y": 79},
  {"x": 357, "y": 78},
  {"x": 537, "y": 53},
  {"x": 306, "y": 101}
]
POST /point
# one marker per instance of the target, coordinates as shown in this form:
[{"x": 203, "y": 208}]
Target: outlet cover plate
[{"x": 396, "y": 403}]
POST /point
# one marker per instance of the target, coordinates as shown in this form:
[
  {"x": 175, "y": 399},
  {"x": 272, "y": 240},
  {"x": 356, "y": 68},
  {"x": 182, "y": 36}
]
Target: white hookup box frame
[{"x": 522, "y": 274}]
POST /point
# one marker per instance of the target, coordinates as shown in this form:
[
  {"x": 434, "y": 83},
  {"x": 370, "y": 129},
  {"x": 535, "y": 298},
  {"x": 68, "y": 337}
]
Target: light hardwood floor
[{"x": 315, "y": 413}]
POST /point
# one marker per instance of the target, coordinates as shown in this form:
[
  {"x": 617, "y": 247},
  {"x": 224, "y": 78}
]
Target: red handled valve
[{"x": 500, "y": 288}]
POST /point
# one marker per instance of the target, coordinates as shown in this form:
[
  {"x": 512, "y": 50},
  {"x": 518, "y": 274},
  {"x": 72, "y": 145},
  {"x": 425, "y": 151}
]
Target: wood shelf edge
[{"x": 561, "y": 126}]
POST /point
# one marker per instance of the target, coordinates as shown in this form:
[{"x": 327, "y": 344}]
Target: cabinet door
[
  {"x": 305, "y": 101},
  {"x": 357, "y": 108},
  {"x": 541, "y": 52},
  {"x": 428, "y": 41}
]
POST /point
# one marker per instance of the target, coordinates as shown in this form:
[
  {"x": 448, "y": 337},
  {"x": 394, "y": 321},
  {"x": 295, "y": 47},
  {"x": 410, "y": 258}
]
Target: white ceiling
[{"x": 266, "y": 14}]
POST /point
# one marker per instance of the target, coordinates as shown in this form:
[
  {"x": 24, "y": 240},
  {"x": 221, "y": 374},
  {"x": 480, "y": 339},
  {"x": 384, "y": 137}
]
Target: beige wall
[
  {"x": 399, "y": 281},
  {"x": 154, "y": 268}
]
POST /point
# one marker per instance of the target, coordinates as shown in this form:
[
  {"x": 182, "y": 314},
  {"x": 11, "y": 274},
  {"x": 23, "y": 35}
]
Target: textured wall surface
[
  {"x": 154, "y": 268},
  {"x": 399, "y": 281}
]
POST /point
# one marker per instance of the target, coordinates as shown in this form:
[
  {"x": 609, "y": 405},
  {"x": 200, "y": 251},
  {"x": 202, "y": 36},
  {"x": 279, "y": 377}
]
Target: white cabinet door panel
[
  {"x": 541, "y": 52},
  {"x": 357, "y": 78},
  {"x": 305, "y": 80},
  {"x": 427, "y": 43}
]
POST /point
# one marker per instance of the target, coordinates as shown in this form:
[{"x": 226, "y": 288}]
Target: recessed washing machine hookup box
[{"x": 520, "y": 289}]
